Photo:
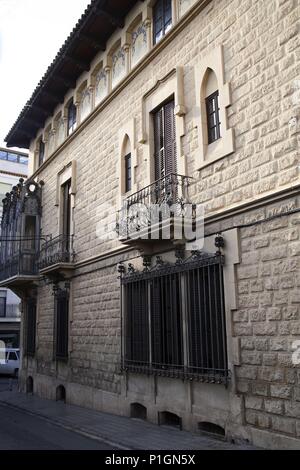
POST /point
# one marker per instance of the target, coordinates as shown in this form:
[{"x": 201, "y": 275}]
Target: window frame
[
  {"x": 41, "y": 155},
  {"x": 30, "y": 327},
  {"x": 213, "y": 113},
  {"x": 61, "y": 325},
  {"x": 165, "y": 144},
  {"x": 128, "y": 172},
  {"x": 72, "y": 118},
  {"x": 213, "y": 365},
  {"x": 165, "y": 25},
  {"x": 3, "y": 300}
]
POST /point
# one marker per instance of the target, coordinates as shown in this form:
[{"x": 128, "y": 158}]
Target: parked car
[{"x": 9, "y": 361}]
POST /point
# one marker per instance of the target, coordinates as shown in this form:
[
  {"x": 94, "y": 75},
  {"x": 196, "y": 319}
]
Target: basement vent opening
[
  {"x": 61, "y": 393},
  {"x": 138, "y": 411},
  {"x": 169, "y": 419},
  {"x": 211, "y": 429},
  {"x": 29, "y": 385}
]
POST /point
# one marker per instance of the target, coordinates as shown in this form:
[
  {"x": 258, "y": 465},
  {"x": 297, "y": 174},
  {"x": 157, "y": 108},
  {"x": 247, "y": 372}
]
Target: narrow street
[{"x": 20, "y": 431}]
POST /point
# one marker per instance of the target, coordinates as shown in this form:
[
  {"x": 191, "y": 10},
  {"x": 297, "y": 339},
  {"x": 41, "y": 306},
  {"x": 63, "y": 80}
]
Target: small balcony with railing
[
  {"x": 57, "y": 256},
  {"x": 18, "y": 267},
  {"x": 160, "y": 211}
]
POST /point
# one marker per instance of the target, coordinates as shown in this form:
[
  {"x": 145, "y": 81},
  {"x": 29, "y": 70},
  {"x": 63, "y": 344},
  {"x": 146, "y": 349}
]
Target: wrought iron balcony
[
  {"x": 18, "y": 268},
  {"x": 56, "y": 254},
  {"x": 148, "y": 210}
]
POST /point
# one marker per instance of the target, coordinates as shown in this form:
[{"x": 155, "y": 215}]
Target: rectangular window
[
  {"x": 137, "y": 325},
  {"x": 41, "y": 153},
  {"x": 162, "y": 19},
  {"x": 128, "y": 173},
  {"x": 174, "y": 319},
  {"x": 61, "y": 324},
  {"x": 213, "y": 117},
  {"x": 30, "y": 327},
  {"x": 72, "y": 118},
  {"x": 166, "y": 322},
  {"x": 3, "y": 304},
  {"x": 165, "y": 154},
  {"x": 66, "y": 208}
]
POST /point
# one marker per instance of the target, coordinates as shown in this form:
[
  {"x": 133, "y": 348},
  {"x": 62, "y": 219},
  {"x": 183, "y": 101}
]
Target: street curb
[{"x": 82, "y": 432}]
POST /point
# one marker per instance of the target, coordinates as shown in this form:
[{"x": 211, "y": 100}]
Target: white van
[{"x": 9, "y": 361}]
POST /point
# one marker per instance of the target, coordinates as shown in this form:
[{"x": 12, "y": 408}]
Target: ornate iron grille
[
  {"x": 56, "y": 250},
  {"x": 140, "y": 208},
  {"x": 174, "y": 319},
  {"x": 30, "y": 327},
  {"x": 22, "y": 263}
]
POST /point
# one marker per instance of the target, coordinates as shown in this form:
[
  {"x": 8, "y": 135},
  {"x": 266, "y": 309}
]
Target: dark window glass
[
  {"x": 162, "y": 19},
  {"x": 66, "y": 209},
  {"x": 72, "y": 118},
  {"x": 41, "y": 153},
  {"x": 128, "y": 183},
  {"x": 213, "y": 117},
  {"x": 2, "y": 307},
  {"x": 13, "y": 356},
  {"x": 30, "y": 325},
  {"x": 62, "y": 325}
]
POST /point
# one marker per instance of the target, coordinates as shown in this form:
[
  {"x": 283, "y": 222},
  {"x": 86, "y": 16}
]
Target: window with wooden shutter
[
  {"x": 165, "y": 154},
  {"x": 137, "y": 325},
  {"x": 30, "y": 327},
  {"x": 166, "y": 322},
  {"x": 162, "y": 19},
  {"x": 61, "y": 324},
  {"x": 206, "y": 319}
]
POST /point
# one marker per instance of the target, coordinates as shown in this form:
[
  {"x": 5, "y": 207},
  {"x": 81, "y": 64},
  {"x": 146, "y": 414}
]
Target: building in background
[{"x": 13, "y": 166}]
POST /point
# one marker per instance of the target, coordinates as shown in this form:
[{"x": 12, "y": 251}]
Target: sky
[{"x": 31, "y": 33}]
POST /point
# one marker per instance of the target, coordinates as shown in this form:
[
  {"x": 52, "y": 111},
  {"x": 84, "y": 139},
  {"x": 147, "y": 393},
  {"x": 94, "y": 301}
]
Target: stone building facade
[{"x": 107, "y": 96}]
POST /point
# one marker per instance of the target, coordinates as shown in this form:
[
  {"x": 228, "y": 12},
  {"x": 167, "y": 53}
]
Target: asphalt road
[{"x": 20, "y": 431}]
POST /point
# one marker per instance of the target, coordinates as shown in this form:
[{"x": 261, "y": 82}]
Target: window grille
[{"x": 174, "y": 320}]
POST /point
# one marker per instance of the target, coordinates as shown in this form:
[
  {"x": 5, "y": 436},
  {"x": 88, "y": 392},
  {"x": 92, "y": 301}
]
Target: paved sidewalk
[{"x": 120, "y": 432}]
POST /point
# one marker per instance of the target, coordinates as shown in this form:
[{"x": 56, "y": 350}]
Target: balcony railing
[
  {"x": 20, "y": 264},
  {"x": 165, "y": 198},
  {"x": 57, "y": 250}
]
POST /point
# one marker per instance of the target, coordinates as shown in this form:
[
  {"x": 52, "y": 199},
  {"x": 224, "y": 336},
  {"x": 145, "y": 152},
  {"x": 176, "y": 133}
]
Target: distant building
[{"x": 13, "y": 166}]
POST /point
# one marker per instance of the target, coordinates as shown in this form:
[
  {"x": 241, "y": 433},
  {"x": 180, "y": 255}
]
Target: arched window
[
  {"x": 72, "y": 117},
  {"x": 216, "y": 138},
  {"x": 212, "y": 107},
  {"x": 60, "y": 131},
  {"x": 118, "y": 65},
  {"x": 100, "y": 86},
  {"x": 85, "y": 104}
]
